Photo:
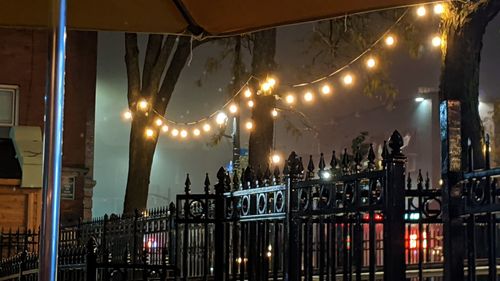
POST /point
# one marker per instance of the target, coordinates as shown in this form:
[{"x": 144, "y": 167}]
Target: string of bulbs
[{"x": 182, "y": 131}]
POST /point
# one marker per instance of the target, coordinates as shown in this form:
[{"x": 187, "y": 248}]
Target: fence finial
[
  {"x": 334, "y": 161},
  {"x": 267, "y": 175},
  {"x": 371, "y": 157},
  {"x": 345, "y": 161},
  {"x": 236, "y": 180},
  {"x": 396, "y": 143},
  {"x": 321, "y": 164},
  {"x": 310, "y": 168},
  {"x": 187, "y": 185},
  {"x": 207, "y": 184}
]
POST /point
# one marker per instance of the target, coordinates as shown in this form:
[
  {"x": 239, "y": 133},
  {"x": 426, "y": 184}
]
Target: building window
[{"x": 9, "y": 101}]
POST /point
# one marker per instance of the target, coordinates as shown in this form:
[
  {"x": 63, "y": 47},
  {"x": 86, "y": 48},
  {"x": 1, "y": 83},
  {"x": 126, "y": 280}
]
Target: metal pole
[{"x": 52, "y": 153}]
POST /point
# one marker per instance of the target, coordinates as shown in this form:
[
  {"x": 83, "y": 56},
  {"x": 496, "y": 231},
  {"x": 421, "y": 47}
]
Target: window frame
[{"x": 15, "y": 105}]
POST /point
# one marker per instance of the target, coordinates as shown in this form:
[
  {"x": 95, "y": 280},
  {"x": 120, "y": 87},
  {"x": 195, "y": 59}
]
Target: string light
[
  {"x": 247, "y": 93},
  {"x": 206, "y": 127},
  {"x": 175, "y": 133},
  {"x": 276, "y": 158},
  {"x": 371, "y": 62},
  {"x": 251, "y": 103},
  {"x": 438, "y": 9},
  {"x": 249, "y": 125},
  {"x": 389, "y": 40},
  {"x": 271, "y": 81},
  {"x": 421, "y": 11},
  {"x": 308, "y": 97},
  {"x": 233, "y": 108},
  {"x": 143, "y": 104},
  {"x": 326, "y": 90},
  {"x": 196, "y": 132},
  {"x": 265, "y": 87},
  {"x": 290, "y": 99},
  {"x": 149, "y": 133},
  {"x": 127, "y": 115},
  {"x": 348, "y": 79},
  {"x": 158, "y": 122},
  {"x": 436, "y": 41},
  {"x": 274, "y": 112},
  {"x": 164, "y": 128},
  {"x": 221, "y": 118},
  {"x": 184, "y": 134}
]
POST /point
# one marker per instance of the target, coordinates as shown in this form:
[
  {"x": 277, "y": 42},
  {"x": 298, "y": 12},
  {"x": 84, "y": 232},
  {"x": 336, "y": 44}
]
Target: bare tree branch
[
  {"x": 152, "y": 53},
  {"x": 132, "y": 64},
  {"x": 161, "y": 62}
]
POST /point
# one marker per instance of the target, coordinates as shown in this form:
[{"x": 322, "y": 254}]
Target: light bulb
[
  {"x": 308, "y": 96},
  {"x": 389, "y": 40},
  {"x": 127, "y": 115},
  {"x": 149, "y": 133},
  {"x": 290, "y": 99},
  {"x": 276, "y": 159},
  {"x": 419, "y": 99},
  {"x": 438, "y": 9},
  {"x": 164, "y": 128},
  {"x": 326, "y": 90},
  {"x": 371, "y": 62},
  {"x": 271, "y": 81},
  {"x": 247, "y": 93},
  {"x": 436, "y": 41},
  {"x": 274, "y": 112},
  {"x": 249, "y": 125},
  {"x": 221, "y": 118},
  {"x": 348, "y": 79},
  {"x": 206, "y": 127},
  {"x": 421, "y": 11},
  {"x": 265, "y": 87},
  {"x": 251, "y": 103},
  {"x": 233, "y": 108},
  {"x": 196, "y": 132},
  {"x": 184, "y": 134},
  {"x": 175, "y": 133},
  {"x": 143, "y": 104},
  {"x": 159, "y": 122}
]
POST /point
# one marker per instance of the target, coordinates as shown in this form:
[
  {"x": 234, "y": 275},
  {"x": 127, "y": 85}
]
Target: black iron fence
[{"x": 361, "y": 217}]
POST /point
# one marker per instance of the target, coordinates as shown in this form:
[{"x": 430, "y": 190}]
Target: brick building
[{"x": 23, "y": 78}]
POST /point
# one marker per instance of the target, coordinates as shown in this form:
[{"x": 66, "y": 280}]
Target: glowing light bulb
[
  {"x": 419, "y": 99},
  {"x": 143, "y": 104},
  {"x": 221, "y": 118},
  {"x": 326, "y": 90},
  {"x": 421, "y": 11},
  {"x": 265, "y": 86},
  {"x": 308, "y": 97},
  {"x": 251, "y": 103},
  {"x": 274, "y": 112},
  {"x": 206, "y": 127},
  {"x": 127, "y": 115},
  {"x": 196, "y": 132},
  {"x": 184, "y": 134},
  {"x": 371, "y": 62},
  {"x": 164, "y": 128},
  {"x": 149, "y": 133},
  {"x": 348, "y": 79},
  {"x": 389, "y": 40},
  {"x": 249, "y": 125},
  {"x": 438, "y": 9},
  {"x": 276, "y": 158},
  {"x": 271, "y": 81},
  {"x": 175, "y": 133},
  {"x": 436, "y": 41},
  {"x": 233, "y": 108},
  {"x": 159, "y": 122},
  {"x": 290, "y": 99},
  {"x": 247, "y": 93}
]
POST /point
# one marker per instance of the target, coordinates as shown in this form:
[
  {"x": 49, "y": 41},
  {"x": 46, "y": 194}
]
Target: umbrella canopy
[{"x": 198, "y": 17}]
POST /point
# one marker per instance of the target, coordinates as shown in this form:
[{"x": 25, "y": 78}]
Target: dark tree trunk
[
  {"x": 463, "y": 34},
  {"x": 261, "y": 138},
  {"x": 158, "y": 93}
]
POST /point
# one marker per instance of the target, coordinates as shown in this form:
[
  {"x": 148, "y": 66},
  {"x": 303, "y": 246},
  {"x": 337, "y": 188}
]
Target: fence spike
[
  {"x": 427, "y": 181},
  {"x": 310, "y": 168},
  {"x": 396, "y": 143},
  {"x": 236, "y": 180},
  {"x": 221, "y": 174},
  {"x": 345, "y": 161},
  {"x": 187, "y": 185},
  {"x": 385, "y": 152},
  {"x": 267, "y": 175},
  {"x": 408, "y": 181},
  {"x": 227, "y": 182},
  {"x": 300, "y": 169},
  {"x": 371, "y": 157},
  {"x": 487, "y": 151},
  {"x": 207, "y": 184},
  {"x": 420, "y": 179},
  {"x": 242, "y": 178},
  {"x": 357, "y": 159},
  {"x": 321, "y": 164},
  {"x": 333, "y": 162}
]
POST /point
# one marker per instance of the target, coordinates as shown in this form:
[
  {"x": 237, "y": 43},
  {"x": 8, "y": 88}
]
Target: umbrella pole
[{"x": 52, "y": 151}]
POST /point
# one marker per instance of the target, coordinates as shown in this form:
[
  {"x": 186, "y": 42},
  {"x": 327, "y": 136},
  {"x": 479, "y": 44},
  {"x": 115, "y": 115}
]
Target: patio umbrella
[{"x": 215, "y": 17}]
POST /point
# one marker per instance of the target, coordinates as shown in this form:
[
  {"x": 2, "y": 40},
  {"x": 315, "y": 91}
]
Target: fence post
[
  {"x": 394, "y": 208},
  {"x": 291, "y": 173},
  {"x": 91, "y": 261},
  {"x": 219, "y": 237},
  {"x": 451, "y": 166}
]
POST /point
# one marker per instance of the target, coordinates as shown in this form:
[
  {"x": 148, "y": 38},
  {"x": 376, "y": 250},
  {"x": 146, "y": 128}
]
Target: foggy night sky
[{"x": 339, "y": 119}]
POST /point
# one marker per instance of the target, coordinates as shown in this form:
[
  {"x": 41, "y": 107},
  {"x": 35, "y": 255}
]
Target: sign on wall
[{"x": 68, "y": 188}]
